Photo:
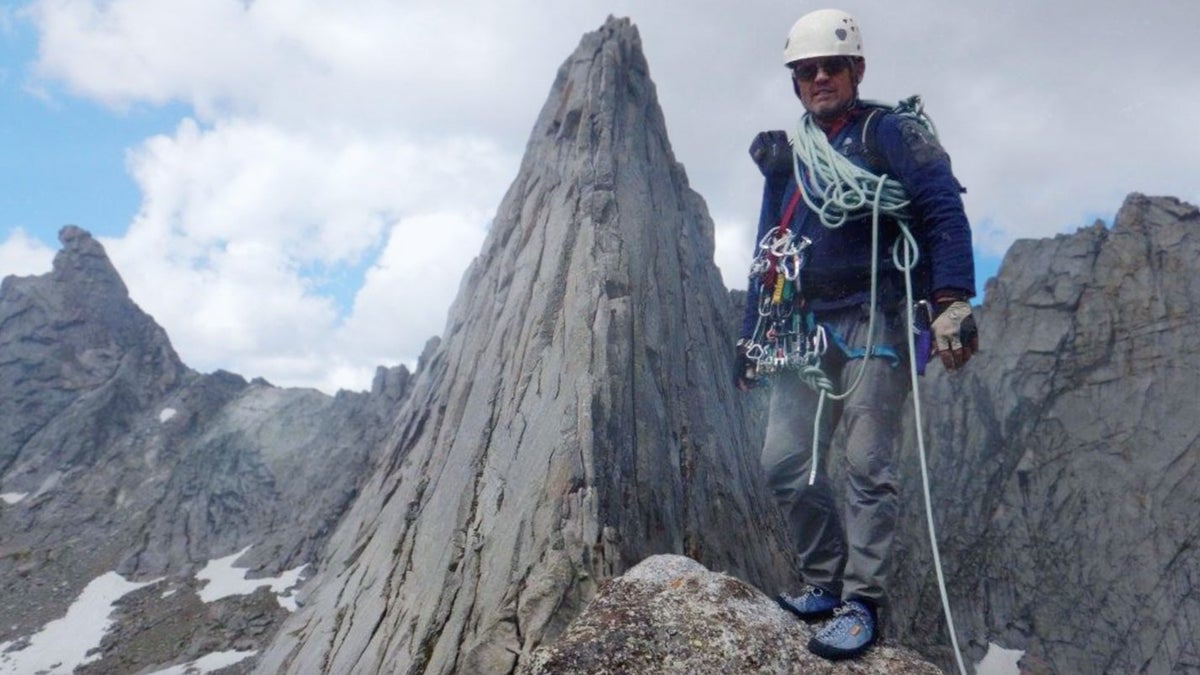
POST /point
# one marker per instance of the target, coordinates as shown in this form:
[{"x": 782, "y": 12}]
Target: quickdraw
[{"x": 785, "y": 335}]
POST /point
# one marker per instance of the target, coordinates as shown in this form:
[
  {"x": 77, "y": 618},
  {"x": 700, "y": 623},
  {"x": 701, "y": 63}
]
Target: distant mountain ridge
[
  {"x": 1067, "y": 456},
  {"x": 575, "y": 419},
  {"x": 114, "y": 456}
]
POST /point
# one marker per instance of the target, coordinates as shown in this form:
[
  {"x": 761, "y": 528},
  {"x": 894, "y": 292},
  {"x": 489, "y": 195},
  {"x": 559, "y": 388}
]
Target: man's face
[{"x": 827, "y": 84}]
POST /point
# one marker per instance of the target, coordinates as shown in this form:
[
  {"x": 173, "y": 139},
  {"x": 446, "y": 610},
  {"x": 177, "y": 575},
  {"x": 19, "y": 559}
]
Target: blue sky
[
  {"x": 65, "y": 158},
  {"x": 293, "y": 188}
]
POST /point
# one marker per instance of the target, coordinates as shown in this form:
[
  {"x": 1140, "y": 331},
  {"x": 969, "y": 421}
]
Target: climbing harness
[{"x": 786, "y": 337}]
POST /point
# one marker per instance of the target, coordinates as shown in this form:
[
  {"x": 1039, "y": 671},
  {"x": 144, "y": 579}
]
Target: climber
[{"x": 810, "y": 302}]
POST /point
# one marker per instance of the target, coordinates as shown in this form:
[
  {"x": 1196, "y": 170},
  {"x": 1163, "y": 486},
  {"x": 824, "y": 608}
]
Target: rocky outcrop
[
  {"x": 1066, "y": 458},
  {"x": 114, "y": 456},
  {"x": 74, "y": 335},
  {"x": 669, "y": 615},
  {"x": 576, "y": 418}
]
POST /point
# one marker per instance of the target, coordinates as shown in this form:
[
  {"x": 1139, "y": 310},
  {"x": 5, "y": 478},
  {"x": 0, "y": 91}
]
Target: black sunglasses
[{"x": 833, "y": 66}]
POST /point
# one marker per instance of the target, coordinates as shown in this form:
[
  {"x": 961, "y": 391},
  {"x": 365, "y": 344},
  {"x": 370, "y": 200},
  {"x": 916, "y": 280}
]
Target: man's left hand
[{"x": 955, "y": 335}]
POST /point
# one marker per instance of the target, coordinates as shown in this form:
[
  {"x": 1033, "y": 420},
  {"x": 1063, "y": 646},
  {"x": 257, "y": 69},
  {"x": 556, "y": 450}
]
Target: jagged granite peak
[
  {"x": 575, "y": 419},
  {"x": 116, "y": 457},
  {"x": 82, "y": 264},
  {"x": 1066, "y": 458},
  {"x": 71, "y": 333}
]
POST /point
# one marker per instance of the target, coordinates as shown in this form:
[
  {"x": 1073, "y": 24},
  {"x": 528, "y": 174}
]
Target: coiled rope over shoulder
[{"x": 839, "y": 191}]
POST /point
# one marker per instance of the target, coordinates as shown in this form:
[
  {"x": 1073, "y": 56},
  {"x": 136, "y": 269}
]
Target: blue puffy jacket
[{"x": 837, "y": 267}]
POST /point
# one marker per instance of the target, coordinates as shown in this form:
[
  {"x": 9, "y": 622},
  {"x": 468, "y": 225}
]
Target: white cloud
[
  {"x": 369, "y": 141},
  {"x": 22, "y": 255},
  {"x": 371, "y": 63},
  {"x": 731, "y": 250},
  {"x": 205, "y": 52},
  {"x": 405, "y": 295},
  {"x": 245, "y": 226}
]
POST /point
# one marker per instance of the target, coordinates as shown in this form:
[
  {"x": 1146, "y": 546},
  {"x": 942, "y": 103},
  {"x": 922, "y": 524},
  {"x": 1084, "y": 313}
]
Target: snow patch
[
  {"x": 206, "y": 664},
  {"x": 225, "y": 580},
  {"x": 13, "y": 497},
  {"x": 999, "y": 661},
  {"x": 63, "y": 644},
  {"x": 166, "y": 414}
]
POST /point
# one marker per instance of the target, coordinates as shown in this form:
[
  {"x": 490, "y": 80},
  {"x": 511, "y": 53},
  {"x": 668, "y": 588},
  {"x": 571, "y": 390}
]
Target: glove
[
  {"x": 772, "y": 152},
  {"x": 955, "y": 335},
  {"x": 745, "y": 371}
]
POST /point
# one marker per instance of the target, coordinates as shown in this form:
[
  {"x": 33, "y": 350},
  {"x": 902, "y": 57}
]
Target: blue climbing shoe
[
  {"x": 812, "y": 604},
  {"x": 848, "y": 635}
]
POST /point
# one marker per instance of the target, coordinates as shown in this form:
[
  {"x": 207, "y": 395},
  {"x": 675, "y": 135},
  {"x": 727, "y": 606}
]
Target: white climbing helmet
[{"x": 825, "y": 32}]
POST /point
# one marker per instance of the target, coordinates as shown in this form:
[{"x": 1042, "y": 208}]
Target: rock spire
[{"x": 576, "y": 418}]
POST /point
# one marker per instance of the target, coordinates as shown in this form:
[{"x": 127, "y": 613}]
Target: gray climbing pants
[{"x": 844, "y": 548}]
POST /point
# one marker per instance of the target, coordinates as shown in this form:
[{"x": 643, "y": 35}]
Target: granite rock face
[
  {"x": 114, "y": 456},
  {"x": 1066, "y": 459},
  {"x": 576, "y": 418}
]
